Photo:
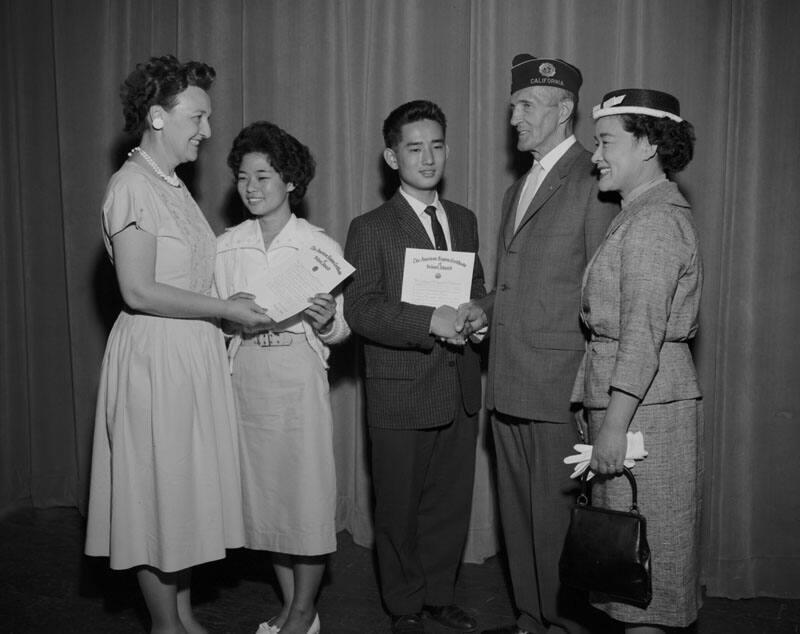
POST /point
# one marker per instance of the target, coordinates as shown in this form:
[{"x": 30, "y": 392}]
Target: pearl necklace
[{"x": 171, "y": 180}]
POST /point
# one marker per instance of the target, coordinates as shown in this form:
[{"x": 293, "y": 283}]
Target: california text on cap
[{"x": 527, "y": 70}]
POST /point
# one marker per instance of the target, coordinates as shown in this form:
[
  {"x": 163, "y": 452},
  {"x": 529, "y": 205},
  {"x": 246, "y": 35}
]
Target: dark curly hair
[
  {"x": 410, "y": 112},
  {"x": 287, "y": 156},
  {"x": 159, "y": 82},
  {"x": 674, "y": 140}
]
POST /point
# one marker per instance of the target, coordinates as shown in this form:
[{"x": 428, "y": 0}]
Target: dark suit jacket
[
  {"x": 536, "y": 343},
  {"x": 411, "y": 380}
]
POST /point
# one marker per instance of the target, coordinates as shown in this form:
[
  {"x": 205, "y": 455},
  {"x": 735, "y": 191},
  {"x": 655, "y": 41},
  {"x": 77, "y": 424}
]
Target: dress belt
[
  {"x": 602, "y": 339},
  {"x": 272, "y": 339}
]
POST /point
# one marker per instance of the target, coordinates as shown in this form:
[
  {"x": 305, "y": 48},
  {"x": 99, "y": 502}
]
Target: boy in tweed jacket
[{"x": 422, "y": 379}]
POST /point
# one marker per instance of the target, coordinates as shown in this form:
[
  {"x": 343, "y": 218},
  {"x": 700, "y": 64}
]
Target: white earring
[{"x": 158, "y": 123}]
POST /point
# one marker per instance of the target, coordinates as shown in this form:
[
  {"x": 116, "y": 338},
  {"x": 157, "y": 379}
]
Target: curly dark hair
[
  {"x": 410, "y": 112},
  {"x": 674, "y": 140},
  {"x": 159, "y": 82},
  {"x": 287, "y": 156}
]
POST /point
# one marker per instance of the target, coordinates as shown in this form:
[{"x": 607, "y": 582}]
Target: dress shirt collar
[
  {"x": 551, "y": 158},
  {"x": 285, "y": 236},
  {"x": 418, "y": 206}
]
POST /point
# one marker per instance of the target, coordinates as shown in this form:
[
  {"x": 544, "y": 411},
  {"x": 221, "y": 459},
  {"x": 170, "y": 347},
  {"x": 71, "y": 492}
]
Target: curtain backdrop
[{"x": 329, "y": 71}]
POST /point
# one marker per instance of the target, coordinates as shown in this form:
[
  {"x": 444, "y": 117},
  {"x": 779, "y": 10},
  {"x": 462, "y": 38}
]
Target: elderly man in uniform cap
[{"x": 552, "y": 221}]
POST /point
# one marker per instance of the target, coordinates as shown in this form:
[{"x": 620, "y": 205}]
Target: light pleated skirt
[
  {"x": 669, "y": 483},
  {"x": 165, "y": 488},
  {"x": 286, "y": 446}
]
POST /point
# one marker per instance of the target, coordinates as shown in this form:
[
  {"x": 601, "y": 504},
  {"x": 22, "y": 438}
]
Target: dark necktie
[{"x": 438, "y": 232}]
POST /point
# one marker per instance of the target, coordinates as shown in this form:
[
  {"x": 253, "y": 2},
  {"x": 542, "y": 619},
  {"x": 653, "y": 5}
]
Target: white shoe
[{"x": 268, "y": 628}]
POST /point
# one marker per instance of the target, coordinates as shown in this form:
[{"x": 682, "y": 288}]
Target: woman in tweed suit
[{"x": 640, "y": 299}]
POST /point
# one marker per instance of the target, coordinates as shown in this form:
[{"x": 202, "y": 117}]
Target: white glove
[{"x": 635, "y": 451}]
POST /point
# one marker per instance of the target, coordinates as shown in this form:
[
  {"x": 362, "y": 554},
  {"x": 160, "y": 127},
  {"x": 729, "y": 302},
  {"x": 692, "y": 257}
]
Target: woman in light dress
[
  {"x": 640, "y": 302},
  {"x": 280, "y": 377},
  {"x": 165, "y": 492}
]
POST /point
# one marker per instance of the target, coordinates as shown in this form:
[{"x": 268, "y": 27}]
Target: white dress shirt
[{"x": 419, "y": 208}]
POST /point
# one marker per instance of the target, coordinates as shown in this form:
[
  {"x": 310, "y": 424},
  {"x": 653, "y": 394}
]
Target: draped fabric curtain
[{"x": 329, "y": 72}]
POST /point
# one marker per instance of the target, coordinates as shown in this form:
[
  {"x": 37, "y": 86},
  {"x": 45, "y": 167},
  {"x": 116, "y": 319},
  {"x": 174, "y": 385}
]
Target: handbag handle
[{"x": 586, "y": 485}]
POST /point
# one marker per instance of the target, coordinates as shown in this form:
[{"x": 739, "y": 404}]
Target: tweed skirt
[{"x": 669, "y": 483}]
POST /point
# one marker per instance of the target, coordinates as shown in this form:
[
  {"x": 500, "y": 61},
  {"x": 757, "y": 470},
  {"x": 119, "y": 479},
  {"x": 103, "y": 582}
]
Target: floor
[{"x": 47, "y": 585}]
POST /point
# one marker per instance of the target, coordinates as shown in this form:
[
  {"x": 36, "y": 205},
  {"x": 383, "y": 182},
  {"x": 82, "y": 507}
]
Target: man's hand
[{"x": 470, "y": 318}]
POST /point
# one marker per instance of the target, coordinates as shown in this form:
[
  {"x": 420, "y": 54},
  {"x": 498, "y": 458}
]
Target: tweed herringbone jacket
[
  {"x": 535, "y": 339},
  {"x": 411, "y": 380},
  {"x": 640, "y": 301}
]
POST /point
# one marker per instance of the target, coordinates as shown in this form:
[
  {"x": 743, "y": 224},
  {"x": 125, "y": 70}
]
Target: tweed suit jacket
[
  {"x": 641, "y": 298},
  {"x": 411, "y": 380},
  {"x": 536, "y": 341}
]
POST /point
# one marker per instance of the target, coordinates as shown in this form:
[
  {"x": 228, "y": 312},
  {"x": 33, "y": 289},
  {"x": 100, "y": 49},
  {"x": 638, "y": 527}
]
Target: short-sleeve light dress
[
  {"x": 165, "y": 489},
  {"x": 283, "y": 402}
]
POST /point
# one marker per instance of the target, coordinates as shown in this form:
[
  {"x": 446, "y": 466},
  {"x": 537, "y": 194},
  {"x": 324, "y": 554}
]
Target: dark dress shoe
[
  {"x": 508, "y": 629},
  {"x": 408, "y": 624},
  {"x": 451, "y": 616}
]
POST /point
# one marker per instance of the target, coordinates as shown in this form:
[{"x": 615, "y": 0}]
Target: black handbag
[{"x": 606, "y": 551}]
